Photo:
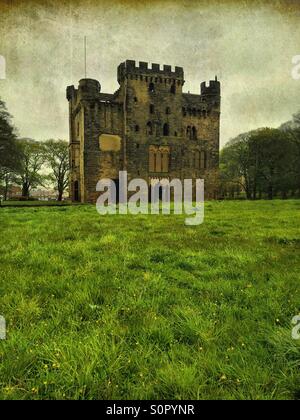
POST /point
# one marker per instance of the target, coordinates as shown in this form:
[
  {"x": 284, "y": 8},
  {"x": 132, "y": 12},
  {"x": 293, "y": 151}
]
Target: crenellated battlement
[
  {"x": 214, "y": 88},
  {"x": 142, "y": 68}
]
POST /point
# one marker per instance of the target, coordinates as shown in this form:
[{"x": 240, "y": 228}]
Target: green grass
[{"x": 143, "y": 307}]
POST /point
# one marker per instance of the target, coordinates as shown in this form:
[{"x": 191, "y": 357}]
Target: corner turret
[{"x": 213, "y": 89}]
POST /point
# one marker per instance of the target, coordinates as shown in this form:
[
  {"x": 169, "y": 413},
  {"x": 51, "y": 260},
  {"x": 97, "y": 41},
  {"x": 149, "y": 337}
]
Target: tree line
[
  {"x": 263, "y": 163},
  {"x": 28, "y": 163}
]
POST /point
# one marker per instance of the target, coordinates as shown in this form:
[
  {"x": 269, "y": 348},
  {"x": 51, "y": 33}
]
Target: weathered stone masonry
[{"x": 148, "y": 127}]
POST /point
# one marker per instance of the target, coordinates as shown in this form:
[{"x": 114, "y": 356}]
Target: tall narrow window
[
  {"x": 158, "y": 166},
  {"x": 136, "y": 128},
  {"x": 203, "y": 160},
  {"x": 194, "y": 133},
  {"x": 165, "y": 160},
  {"x": 152, "y": 162},
  {"x": 173, "y": 88},
  {"x": 151, "y": 87},
  {"x": 151, "y": 109},
  {"x": 149, "y": 128},
  {"x": 166, "y": 129},
  {"x": 197, "y": 163},
  {"x": 168, "y": 110},
  {"x": 188, "y": 132},
  {"x": 76, "y": 191}
]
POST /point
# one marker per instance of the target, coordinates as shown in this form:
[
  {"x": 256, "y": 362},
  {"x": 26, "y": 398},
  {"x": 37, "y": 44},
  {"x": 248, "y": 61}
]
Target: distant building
[
  {"x": 43, "y": 194},
  {"x": 14, "y": 191},
  {"x": 149, "y": 127}
]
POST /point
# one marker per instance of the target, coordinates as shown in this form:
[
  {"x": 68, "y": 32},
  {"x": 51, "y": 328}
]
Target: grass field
[{"x": 143, "y": 307}]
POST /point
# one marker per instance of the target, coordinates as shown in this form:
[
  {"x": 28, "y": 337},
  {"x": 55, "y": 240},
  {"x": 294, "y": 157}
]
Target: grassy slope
[{"x": 143, "y": 307}]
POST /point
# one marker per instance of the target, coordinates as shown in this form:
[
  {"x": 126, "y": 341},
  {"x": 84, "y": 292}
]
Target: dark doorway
[
  {"x": 117, "y": 184},
  {"x": 151, "y": 197},
  {"x": 151, "y": 87},
  {"x": 166, "y": 129},
  {"x": 76, "y": 191}
]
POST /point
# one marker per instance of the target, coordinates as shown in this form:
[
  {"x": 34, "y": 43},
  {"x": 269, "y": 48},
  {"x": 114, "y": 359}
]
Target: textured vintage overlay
[{"x": 249, "y": 45}]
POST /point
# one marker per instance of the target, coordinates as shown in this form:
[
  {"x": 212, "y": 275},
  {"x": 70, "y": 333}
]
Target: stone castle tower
[{"x": 148, "y": 127}]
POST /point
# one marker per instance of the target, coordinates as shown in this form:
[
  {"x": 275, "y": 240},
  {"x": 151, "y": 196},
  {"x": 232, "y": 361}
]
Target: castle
[{"x": 149, "y": 127}]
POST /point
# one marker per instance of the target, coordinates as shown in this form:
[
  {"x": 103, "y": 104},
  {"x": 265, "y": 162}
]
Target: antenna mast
[{"x": 85, "y": 57}]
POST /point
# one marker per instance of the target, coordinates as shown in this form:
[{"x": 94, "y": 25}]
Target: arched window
[
  {"x": 135, "y": 99},
  {"x": 137, "y": 128},
  {"x": 168, "y": 110},
  {"x": 165, "y": 160},
  {"x": 184, "y": 112},
  {"x": 158, "y": 163},
  {"x": 173, "y": 88},
  {"x": 194, "y": 133},
  {"x": 151, "y": 109},
  {"x": 166, "y": 129},
  {"x": 152, "y": 158},
  {"x": 149, "y": 128},
  {"x": 151, "y": 87},
  {"x": 159, "y": 157}
]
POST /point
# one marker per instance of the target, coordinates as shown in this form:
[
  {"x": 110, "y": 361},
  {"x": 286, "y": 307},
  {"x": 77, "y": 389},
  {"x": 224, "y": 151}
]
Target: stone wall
[{"x": 149, "y": 111}]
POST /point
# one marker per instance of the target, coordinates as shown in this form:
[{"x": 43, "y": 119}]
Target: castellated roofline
[
  {"x": 214, "y": 87},
  {"x": 142, "y": 67}
]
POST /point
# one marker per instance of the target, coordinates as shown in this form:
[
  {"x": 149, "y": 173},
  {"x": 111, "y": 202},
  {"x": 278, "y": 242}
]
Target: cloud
[{"x": 249, "y": 45}]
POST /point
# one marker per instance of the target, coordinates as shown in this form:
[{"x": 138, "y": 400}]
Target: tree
[
  {"x": 294, "y": 136},
  {"x": 272, "y": 154},
  {"x": 32, "y": 160},
  {"x": 7, "y": 179},
  {"x": 294, "y": 124},
  {"x": 261, "y": 162},
  {"x": 57, "y": 157},
  {"x": 9, "y": 151},
  {"x": 238, "y": 165}
]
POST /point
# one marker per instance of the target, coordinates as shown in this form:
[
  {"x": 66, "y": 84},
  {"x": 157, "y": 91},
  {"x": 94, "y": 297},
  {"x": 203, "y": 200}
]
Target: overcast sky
[{"x": 249, "y": 45}]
